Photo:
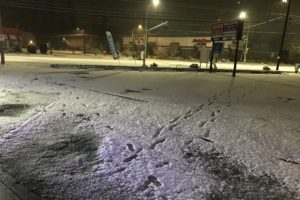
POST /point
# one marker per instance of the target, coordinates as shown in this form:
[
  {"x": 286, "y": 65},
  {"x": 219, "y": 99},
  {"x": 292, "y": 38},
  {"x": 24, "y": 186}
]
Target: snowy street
[{"x": 69, "y": 133}]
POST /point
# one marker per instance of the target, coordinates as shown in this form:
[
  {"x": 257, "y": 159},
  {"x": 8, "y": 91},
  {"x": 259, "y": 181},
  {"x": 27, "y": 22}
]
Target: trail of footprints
[
  {"x": 176, "y": 122},
  {"x": 151, "y": 179}
]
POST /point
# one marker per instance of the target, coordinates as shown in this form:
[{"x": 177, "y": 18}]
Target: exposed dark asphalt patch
[
  {"x": 77, "y": 143},
  {"x": 120, "y": 96},
  {"x": 132, "y": 91},
  {"x": 11, "y": 110},
  {"x": 289, "y": 161},
  {"x": 234, "y": 181},
  {"x": 103, "y": 76},
  {"x": 131, "y": 158},
  {"x": 286, "y": 100},
  {"x": 80, "y": 73},
  {"x": 150, "y": 180},
  {"x": 130, "y": 147}
]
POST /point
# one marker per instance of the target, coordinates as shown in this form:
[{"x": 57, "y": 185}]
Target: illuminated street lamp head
[
  {"x": 284, "y": 1},
  {"x": 243, "y": 15},
  {"x": 155, "y": 2},
  {"x": 30, "y": 42},
  {"x": 140, "y": 27}
]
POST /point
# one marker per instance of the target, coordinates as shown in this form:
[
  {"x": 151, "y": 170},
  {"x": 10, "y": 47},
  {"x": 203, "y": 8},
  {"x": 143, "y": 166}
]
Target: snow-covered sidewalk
[{"x": 108, "y": 61}]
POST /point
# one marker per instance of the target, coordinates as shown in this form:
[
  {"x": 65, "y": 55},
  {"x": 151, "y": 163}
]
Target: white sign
[{"x": 2, "y": 37}]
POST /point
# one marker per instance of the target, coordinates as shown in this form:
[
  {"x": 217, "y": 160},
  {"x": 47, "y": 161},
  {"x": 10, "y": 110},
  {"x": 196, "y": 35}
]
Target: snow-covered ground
[{"x": 88, "y": 134}]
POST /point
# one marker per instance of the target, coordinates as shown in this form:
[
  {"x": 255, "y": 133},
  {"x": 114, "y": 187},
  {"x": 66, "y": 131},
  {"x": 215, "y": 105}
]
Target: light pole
[
  {"x": 140, "y": 28},
  {"x": 83, "y": 35},
  {"x": 155, "y": 3},
  {"x": 2, "y": 42},
  {"x": 284, "y": 32},
  {"x": 243, "y": 16}
]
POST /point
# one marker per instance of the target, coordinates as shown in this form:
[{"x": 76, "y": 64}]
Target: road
[{"x": 69, "y": 133}]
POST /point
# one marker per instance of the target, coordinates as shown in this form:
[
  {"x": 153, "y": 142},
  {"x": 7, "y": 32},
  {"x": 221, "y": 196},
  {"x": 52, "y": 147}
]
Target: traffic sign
[{"x": 218, "y": 47}]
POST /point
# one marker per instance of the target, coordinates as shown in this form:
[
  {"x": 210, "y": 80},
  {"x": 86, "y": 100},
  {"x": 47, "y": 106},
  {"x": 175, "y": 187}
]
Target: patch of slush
[{"x": 11, "y": 110}]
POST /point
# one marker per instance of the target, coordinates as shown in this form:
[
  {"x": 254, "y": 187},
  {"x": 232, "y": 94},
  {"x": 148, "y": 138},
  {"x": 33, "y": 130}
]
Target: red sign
[
  {"x": 228, "y": 31},
  {"x": 202, "y": 41}
]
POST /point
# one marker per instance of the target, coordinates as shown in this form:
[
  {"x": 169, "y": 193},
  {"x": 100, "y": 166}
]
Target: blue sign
[
  {"x": 112, "y": 45},
  {"x": 218, "y": 47}
]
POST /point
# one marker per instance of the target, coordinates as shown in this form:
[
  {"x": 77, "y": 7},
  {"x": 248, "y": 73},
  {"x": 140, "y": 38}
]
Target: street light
[
  {"x": 155, "y": 3},
  {"x": 243, "y": 15}
]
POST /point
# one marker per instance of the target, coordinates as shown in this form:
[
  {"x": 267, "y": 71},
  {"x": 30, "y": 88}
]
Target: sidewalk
[
  {"x": 107, "y": 61},
  {"x": 10, "y": 190}
]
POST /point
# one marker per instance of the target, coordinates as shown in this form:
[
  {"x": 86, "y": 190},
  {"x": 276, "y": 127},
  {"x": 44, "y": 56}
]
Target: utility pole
[
  {"x": 2, "y": 42},
  {"x": 246, "y": 46},
  {"x": 84, "y": 50},
  {"x": 236, "y": 57},
  {"x": 155, "y": 3},
  {"x": 284, "y": 34},
  {"x": 145, "y": 40}
]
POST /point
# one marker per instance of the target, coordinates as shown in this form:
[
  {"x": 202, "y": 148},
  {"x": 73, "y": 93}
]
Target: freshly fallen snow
[{"x": 151, "y": 135}]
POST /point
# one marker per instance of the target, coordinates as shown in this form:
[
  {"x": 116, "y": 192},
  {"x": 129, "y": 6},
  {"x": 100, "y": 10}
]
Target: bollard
[{"x": 2, "y": 58}]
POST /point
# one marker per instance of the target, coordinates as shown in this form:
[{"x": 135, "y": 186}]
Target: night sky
[{"x": 188, "y": 17}]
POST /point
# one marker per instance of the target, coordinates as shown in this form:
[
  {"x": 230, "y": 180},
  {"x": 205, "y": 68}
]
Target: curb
[{"x": 161, "y": 69}]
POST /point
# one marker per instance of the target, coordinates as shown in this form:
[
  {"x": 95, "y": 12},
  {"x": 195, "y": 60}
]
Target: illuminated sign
[{"x": 228, "y": 31}]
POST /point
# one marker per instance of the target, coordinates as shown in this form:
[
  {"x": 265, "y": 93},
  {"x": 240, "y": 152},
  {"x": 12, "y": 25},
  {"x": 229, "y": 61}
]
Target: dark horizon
[{"x": 185, "y": 18}]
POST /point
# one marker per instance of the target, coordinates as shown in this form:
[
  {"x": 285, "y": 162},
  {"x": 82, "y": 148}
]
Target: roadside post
[
  {"x": 204, "y": 55},
  {"x": 147, "y": 32},
  {"x": 236, "y": 57},
  {"x": 211, "y": 58},
  {"x": 228, "y": 31}
]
